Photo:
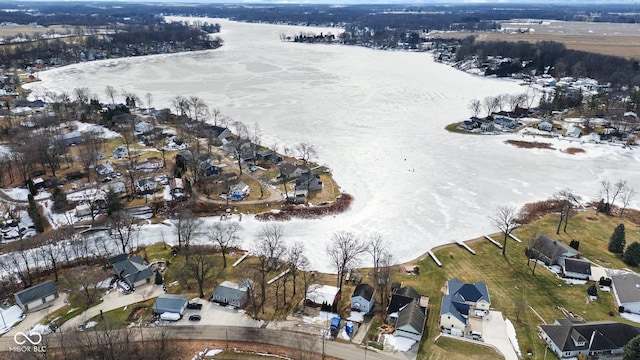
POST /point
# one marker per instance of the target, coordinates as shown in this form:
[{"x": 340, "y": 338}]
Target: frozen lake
[{"x": 377, "y": 119}]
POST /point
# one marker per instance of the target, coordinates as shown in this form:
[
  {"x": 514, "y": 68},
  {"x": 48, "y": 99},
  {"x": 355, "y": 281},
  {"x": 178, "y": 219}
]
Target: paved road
[{"x": 266, "y": 336}]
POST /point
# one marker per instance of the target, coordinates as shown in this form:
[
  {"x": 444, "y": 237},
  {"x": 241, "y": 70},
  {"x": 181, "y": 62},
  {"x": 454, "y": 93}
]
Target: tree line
[{"x": 115, "y": 41}]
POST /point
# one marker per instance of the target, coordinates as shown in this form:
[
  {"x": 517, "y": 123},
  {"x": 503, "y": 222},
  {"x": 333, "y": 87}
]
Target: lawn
[
  {"x": 511, "y": 279},
  {"x": 121, "y": 315}
]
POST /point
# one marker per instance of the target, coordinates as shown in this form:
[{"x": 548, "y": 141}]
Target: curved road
[{"x": 294, "y": 340}]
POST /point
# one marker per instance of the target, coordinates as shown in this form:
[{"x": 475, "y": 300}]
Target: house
[
  {"x": 598, "y": 339},
  {"x": 400, "y": 298},
  {"x": 120, "y": 152},
  {"x": 550, "y": 251},
  {"x": 240, "y": 189},
  {"x": 363, "y": 298},
  {"x": 545, "y": 125},
  {"x": 234, "y": 294},
  {"x": 221, "y": 133},
  {"x": 146, "y": 186},
  {"x": 118, "y": 187},
  {"x": 411, "y": 321},
  {"x": 208, "y": 168},
  {"x": 319, "y": 295},
  {"x": 105, "y": 169},
  {"x": 37, "y": 296},
  {"x": 143, "y": 127},
  {"x": 134, "y": 271},
  {"x": 69, "y": 139},
  {"x": 149, "y": 164},
  {"x": 269, "y": 155},
  {"x": 460, "y": 302},
  {"x": 170, "y": 303},
  {"x": 291, "y": 171},
  {"x": 308, "y": 181},
  {"x": 626, "y": 292},
  {"x": 176, "y": 188},
  {"x": 575, "y": 268},
  {"x": 574, "y": 132}
]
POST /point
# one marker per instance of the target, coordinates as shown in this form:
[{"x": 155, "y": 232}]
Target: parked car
[
  {"x": 194, "y": 306},
  {"x": 194, "y": 318}
]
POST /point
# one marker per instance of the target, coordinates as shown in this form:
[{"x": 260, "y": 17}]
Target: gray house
[
  {"x": 411, "y": 321},
  {"x": 37, "y": 296},
  {"x": 134, "y": 271},
  {"x": 550, "y": 251},
  {"x": 170, "y": 303},
  {"x": 308, "y": 181},
  {"x": 234, "y": 294},
  {"x": 575, "y": 268},
  {"x": 568, "y": 339},
  {"x": 626, "y": 291}
]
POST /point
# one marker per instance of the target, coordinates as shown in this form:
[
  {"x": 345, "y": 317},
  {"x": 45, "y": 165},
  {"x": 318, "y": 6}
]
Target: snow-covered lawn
[
  {"x": 398, "y": 343},
  {"x": 511, "y": 331},
  {"x": 103, "y": 131},
  {"x": 21, "y": 194}
]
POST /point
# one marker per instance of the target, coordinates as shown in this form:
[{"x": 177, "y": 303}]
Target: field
[{"x": 602, "y": 38}]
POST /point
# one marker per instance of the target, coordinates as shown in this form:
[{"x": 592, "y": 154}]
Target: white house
[
  {"x": 626, "y": 291},
  {"x": 37, "y": 296},
  {"x": 363, "y": 298},
  {"x": 143, "y": 127}
]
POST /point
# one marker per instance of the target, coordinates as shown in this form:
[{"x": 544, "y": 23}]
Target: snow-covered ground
[
  {"x": 377, "y": 119},
  {"x": 511, "y": 331},
  {"x": 9, "y": 317}
]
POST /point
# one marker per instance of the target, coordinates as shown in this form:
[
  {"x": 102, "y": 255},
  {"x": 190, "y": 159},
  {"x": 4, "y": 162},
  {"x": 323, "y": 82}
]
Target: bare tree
[
  {"x": 85, "y": 280},
  {"x": 377, "y": 248},
  {"x": 187, "y": 228},
  {"x": 225, "y": 236},
  {"x": 181, "y": 104},
  {"x": 269, "y": 249},
  {"x": 122, "y": 230},
  {"x": 609, "y": 192},
  {"x": 82, "y": 95},
  {"x": 216, "y": 116},
  {"x": 505, "y": 219},
  {"x": 199, "y": 266},
  {"x": 475, "y": 106},
  {"x": 491, "y": 103},
  {"x": 566, "y": 201},
  {"x": 198, "y": 107},
  {"x": 111, "y": 93},
  {"x": 344, "y": 253},
  {"x": 305, "y": 151},
  {"x": 149, "y": 99},
  {"x": 627, "y": 196},
  {"x": 296, "y": 261}
]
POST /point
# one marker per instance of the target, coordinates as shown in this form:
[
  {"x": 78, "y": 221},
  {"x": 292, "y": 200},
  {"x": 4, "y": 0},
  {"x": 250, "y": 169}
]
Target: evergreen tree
[
  {"x": 592, "y": 290},
  {"x": 631, "y": 256},
  {"x": 617, "y": 240},
  {"x": 632, "y": 349},
  {"x": 114, "y": 202},
  {"x": 159, "y": 279},
  {"x": 35, "y": 215},
  {"x": 60, "y": 202},
  {"x": 32, "y": 187}
]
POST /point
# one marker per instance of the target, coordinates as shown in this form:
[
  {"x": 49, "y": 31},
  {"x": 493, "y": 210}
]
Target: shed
[
  {"x": 575, "y": 268},
  {"x": 37, "y": 296},
  {"x": 83, "y": 210},
  {"x": 170, "y": 303}
]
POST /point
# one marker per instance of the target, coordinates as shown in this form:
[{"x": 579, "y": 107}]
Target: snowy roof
[{"x": 322, "y": 294}]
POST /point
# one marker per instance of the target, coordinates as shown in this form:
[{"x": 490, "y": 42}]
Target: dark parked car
[
  {"x": 194, "y": 318},
  {"x": 194, "y": 306}
]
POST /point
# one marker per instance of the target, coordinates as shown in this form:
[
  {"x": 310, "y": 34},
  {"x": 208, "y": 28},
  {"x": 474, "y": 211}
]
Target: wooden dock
[
  {"x": 466, "y": 247},
  {"x": 515, "y": 238},
  {"x": 493, "y": 241},
  {"x": 240, "y": 260},
  {"x": 278, "y": 277},
  {"x": 433, "y": 256}
]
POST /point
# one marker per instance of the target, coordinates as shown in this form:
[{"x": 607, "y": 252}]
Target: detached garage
[
  {"x": 37, "y": 297},
  {"x": 170, "y": 303}
]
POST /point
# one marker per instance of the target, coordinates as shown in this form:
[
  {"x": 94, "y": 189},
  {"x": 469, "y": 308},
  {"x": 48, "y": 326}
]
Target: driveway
[
  {"x": 35, "y": 317},
  {"x": 214, "y": 314},
  {"x": 494, "y": 332},
  {"x": 114, "y": 300}
]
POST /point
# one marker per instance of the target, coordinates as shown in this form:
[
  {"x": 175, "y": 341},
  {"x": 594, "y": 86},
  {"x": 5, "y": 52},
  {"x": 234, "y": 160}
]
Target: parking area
[{"x": 214, "y": 314}]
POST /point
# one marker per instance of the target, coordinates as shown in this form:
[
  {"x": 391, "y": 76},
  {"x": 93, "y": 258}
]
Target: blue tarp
[{"x": 335, "y": 322}]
